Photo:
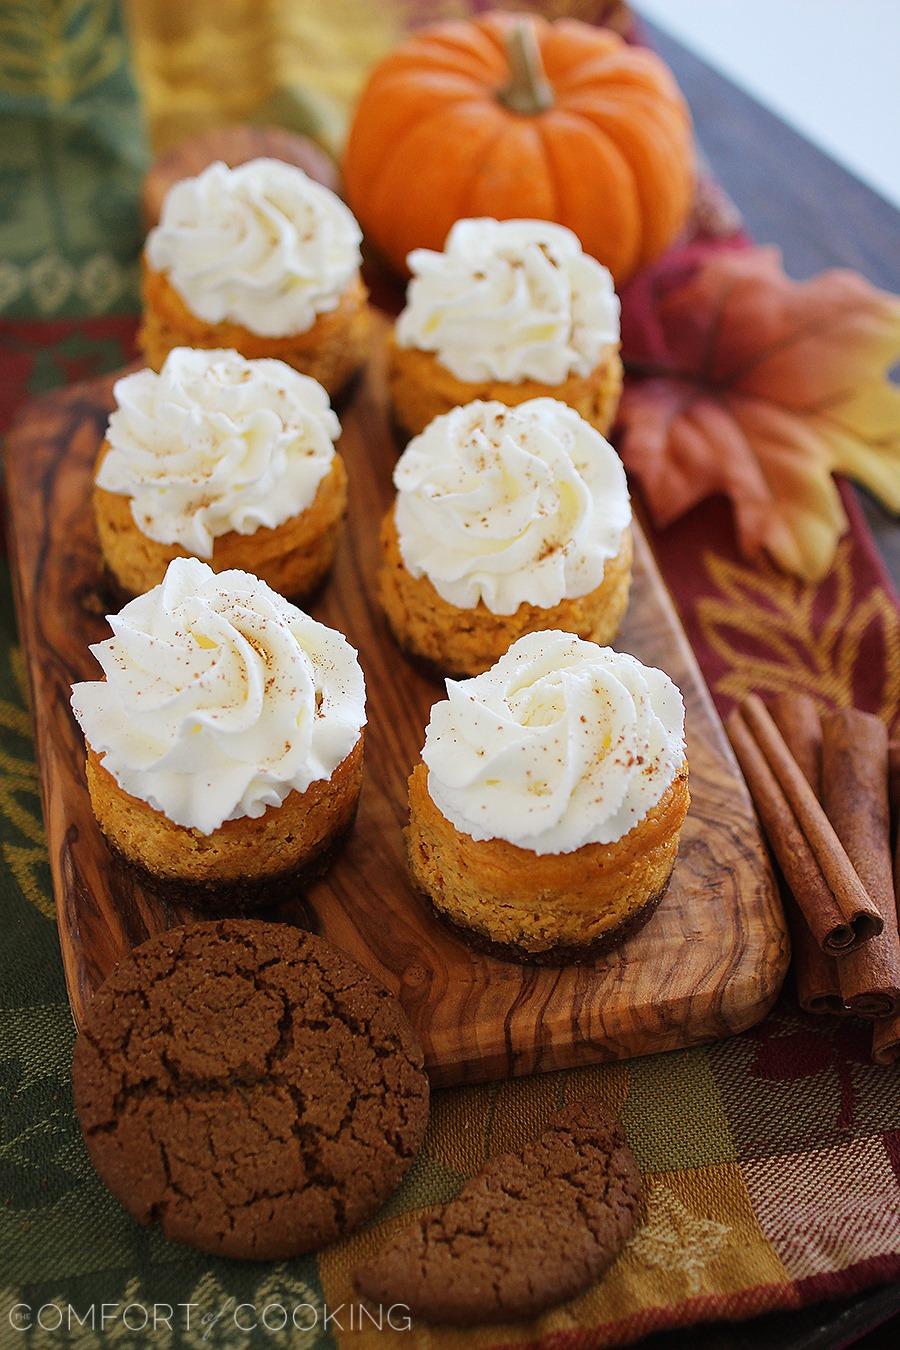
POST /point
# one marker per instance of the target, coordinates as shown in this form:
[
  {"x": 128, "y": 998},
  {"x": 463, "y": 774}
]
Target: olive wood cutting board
[{"x": 709, "y": 963}]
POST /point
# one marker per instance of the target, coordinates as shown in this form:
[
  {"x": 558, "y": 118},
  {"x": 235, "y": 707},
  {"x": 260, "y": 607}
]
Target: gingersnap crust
[
  {"x": 293, "y": 558},
  {"x": 461, "y": 642},
  {"x": 560, "y": 954},
  {"x": 243, "y": 895},
  {"x": 242, "y": 855},
  {"x": 331, "y": 351},
  {"x": 249, "y": 1088},
  {"x": 532, "y": 1229},
  {"x": 421, "y": 389}
]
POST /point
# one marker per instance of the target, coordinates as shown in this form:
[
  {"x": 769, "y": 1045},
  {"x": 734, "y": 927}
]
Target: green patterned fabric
[{"x": 72, "y": 151}]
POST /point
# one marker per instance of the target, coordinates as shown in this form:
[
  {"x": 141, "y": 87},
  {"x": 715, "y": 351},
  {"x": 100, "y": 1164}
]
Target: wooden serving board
[{"x": 708, "y": 964}]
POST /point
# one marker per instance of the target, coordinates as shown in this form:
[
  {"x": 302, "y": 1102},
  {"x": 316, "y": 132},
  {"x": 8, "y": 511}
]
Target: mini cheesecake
[
  {"x": 506, "y": 521},
  {"x": 510, "y": 311},
  {"x": 225, "y": 741},
  {"x": 546, "y": 814},
  {"x": 224, "y": 459},
  {"x": 262, "y": 259}
]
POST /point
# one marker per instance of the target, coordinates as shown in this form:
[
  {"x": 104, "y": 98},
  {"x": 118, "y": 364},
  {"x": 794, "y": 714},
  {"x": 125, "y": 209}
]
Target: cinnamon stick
[
  {"x": 802, "y": 872},
  {"x": 797, "y": 718},
  {"x": 894, "y": 786},
  {"x": 886, "y": 1034},
  {"x": 886, "y": 1041},
  {"x": 815, "y": 974},
  {"x": 840, "y": 913},
  {"x": 855, "y": 793}
]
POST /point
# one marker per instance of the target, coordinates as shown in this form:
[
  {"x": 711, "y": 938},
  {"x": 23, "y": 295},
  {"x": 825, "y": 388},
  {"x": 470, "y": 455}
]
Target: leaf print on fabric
[
  {"x": 776, "y": 634},
  {"x": 759, "y": 387},
  {"x": 35, "y": 1142},
  {"x": 789, "y": 1050},
  {"x": 57, "y": 51},
  {"x": 673, "y": 1238},
  {"x": 23, "y": 846},
  {"x": 283, "y": 1310}
]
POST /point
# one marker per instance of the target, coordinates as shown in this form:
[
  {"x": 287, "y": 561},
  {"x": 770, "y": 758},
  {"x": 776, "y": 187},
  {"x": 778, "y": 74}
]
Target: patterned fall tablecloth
[{"x": 771, "y": 1160}]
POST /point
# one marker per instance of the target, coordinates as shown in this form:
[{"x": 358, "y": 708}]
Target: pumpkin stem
[{"x": 529, "y": 90}]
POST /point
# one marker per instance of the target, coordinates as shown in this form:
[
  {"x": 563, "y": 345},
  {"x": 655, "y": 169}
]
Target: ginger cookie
[
  {"x": 530, "y": 1230},
  {"x": 249, "y": 1087}
]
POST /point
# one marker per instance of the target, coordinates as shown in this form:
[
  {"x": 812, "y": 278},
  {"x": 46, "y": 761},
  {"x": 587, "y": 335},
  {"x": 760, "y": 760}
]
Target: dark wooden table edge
[{"x": 746, "y": 143}]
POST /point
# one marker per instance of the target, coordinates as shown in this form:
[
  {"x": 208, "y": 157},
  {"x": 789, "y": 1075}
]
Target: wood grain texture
[{"x": 709, "y": 963}]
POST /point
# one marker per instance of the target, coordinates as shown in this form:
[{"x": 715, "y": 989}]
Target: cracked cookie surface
[
  {"x": 249, "y": 1087},
  {"x": 530, "y": 1230}
]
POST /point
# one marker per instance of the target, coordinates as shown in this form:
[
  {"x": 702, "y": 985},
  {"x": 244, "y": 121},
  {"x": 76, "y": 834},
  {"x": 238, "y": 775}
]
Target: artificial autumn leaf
[{"x": 760, "y": 388}]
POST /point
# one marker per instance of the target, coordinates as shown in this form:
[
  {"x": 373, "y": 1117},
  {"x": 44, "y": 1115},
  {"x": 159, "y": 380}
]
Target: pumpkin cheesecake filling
[
  {"x": 545, "y": 817},
  {"x": 225, "y": 459},
  {"x": 225, "y": 740},
  {"x": 259, "y": 258},
  {"x": 422, "y": 389},
  {"x": 506, "y": 520},
  {"x": 510, "y": 310}
]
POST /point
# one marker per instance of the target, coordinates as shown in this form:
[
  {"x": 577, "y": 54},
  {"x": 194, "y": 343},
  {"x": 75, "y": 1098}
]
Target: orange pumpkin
[{"x": 513, "y": 116}]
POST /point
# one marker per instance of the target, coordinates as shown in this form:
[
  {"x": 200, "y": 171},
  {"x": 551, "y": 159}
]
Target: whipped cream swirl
[
  {"x": 261, "y": 245},
  {"x": 215, "y": 443},
  {"x": 510, "y": 505},
  {"x": 510, "y": 300},
  {"x": 220, "y": 697},
  {"x": 562, "y": 743}
]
